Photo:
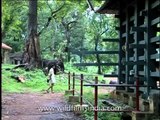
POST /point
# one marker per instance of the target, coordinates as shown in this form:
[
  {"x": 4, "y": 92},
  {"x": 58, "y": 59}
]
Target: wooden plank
[
  {"x": 96, "y": 64},
  {"x": 142, "y": 46},
  {"x": 141, "y": 73},
  {"x": 155, "y": 21},
  {"x": 110, "y": 40},
  {"x": 142, "y": 42},
  {"x": 124, "y": 34},
  {"x": 131, "y": 32},
  {"x": 155, "y": 74},
  {"x": 155, "y": 4},
  {"x": 155, "y": 39},
  {"x": 142, "y": 29},
  {"x": 131, "y": 58},
  {"x": 155, "y": 56},
  {"x": 135, "y": 63},
  {"x": 141, "y": 57},
  {"x": 95, "y": 52},
  {"x": 110, "y": 75},
  {"x": 143, "y": 25},
  {"x": 115, "y": 85},
  {"x": 131, "y": 18}
]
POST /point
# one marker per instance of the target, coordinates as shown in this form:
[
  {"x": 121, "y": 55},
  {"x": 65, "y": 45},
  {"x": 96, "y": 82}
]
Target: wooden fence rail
[{"x": 96, "y": 85}]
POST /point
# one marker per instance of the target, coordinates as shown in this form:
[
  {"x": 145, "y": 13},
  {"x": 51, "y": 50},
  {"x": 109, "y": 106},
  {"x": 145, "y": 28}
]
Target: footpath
[{"x": 36, "y": 106}]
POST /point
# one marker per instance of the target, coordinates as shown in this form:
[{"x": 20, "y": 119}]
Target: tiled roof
[{"x": 4, "y": 46}]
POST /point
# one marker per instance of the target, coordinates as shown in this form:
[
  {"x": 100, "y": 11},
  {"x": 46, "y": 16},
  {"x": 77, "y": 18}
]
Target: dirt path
[{"x": 36, "y": 106}]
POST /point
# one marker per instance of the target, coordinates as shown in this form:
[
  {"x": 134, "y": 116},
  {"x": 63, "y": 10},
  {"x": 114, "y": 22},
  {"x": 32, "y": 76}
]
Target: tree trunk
[
  {"x": 97, "y": 55},
  {"x": 32, "y": 48},
  {"x": 68, "y": 43}
]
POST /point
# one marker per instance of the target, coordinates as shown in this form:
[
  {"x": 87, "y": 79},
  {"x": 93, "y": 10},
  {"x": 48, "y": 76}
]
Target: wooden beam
[
  {"x": 110, "y": 75},
  {"x": 134, "y": 63},
  {"x": 96, "y": 64},
  {"x": 155, "y": 74},
  {"x": 155, "y": 56},
  {"x": 111, "y": 40},
  {"x": 155, "y": 21},
  {"x": 140, "y": 46},
  {"x": 155, "y": 4},
  {"x": 95, "y": 52},
  {"x": 142, "y": 29},
  {"x": 155, "y": 39}
]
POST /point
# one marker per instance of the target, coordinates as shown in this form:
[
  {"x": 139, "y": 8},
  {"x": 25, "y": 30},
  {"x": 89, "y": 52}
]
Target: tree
[
  {"x": 14, "y": 23},
  {"x": 32, "y": 46}
]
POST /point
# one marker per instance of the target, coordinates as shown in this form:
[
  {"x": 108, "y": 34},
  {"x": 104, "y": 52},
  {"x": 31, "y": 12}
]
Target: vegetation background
[{"x": 74, "y": 27}]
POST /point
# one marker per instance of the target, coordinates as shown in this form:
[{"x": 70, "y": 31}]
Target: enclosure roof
[
  {"x": 4, "y": 46},
  {"x": 109, "y": 7}
]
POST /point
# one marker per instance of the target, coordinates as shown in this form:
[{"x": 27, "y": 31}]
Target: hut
[
  {"x": 16, "y": 58},
  {"x": 5, "y": 53}
]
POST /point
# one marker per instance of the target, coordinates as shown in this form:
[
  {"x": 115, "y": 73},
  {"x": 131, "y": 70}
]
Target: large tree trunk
[{"x": 32, "y": 44}]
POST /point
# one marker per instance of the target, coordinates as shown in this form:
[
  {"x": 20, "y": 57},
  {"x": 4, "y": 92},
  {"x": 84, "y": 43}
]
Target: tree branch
[
  {"x": 104, "y": 31},
  {"x": 53, "y": 15},
  {"x": 90, "y": 5}
]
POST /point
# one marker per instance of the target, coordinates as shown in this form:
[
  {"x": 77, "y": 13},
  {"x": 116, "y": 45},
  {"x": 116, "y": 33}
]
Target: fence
[{"x": 96, "y": 85}]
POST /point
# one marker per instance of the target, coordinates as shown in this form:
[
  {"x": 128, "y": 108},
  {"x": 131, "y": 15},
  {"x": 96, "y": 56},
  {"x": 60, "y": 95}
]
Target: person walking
[{"x": 52, "y": 79}]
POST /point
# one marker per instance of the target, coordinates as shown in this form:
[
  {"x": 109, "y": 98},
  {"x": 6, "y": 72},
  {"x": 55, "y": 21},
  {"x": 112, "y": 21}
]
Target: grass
[{"x": 35, "y": 81}]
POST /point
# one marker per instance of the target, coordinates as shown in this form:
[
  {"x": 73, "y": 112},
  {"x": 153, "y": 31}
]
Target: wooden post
[
  {"x": 73, "y": 83},
  {"x": 81, "y": 92},
  {"x": 69, "y": 81},
  {"x": 137, "y": 93},
  {"x": 96, "y": 99}
]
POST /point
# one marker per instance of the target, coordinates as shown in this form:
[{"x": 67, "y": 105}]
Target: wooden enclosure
[{"x": 139, "y": 42}]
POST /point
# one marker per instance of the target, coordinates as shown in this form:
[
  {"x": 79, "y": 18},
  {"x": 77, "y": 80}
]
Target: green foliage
[
  {"x": 35, "y": 81},
  {"x": 84, "y": 33},
  {"x": 13, "y": 23}
]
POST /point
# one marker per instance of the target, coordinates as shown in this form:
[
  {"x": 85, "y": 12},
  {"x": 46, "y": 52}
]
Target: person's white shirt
[{"x": 51, "y": 73}]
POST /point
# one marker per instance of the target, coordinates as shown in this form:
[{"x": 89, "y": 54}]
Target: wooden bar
[
  {"x": 95, "y": 52},
  {"x": 114, "y": 85},
  {"x": 142, "y": 29},
  {"x": 69, "y": 81},
  {"x": 110, "y": 40},
  {"x": 73, "y": 84},
  {"x": 140, "y": 46},
  {"x": 137, "y": 94},
  {"x": 155, "y": 4},
  {"x": 81, "y": 91},
  {"x": 96, "y": 100},
  {"x": 155, "y": 74},
  {"x": 155, "y": 21},
  {"x": 155, "y": 56},
  {"x": 134, "y": 62},
  {"x": 96, "y": 64},
  {"x": 110, "y": 75}
]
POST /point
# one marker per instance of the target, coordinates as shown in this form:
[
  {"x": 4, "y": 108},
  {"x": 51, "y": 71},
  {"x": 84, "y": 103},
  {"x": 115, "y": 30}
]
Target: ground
[{"x": 36, "y": 106}]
